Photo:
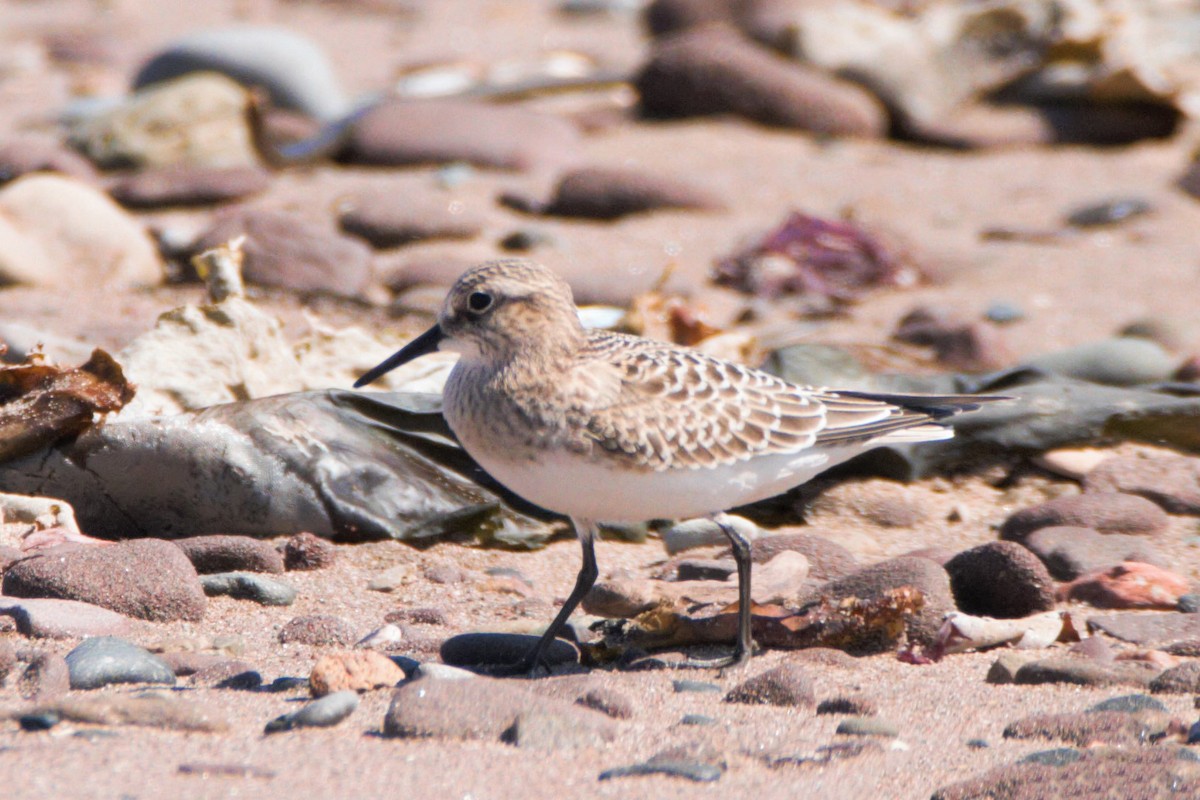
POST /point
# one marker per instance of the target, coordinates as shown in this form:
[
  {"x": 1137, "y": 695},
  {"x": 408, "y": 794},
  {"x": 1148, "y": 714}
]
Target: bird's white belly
[{"x": 598, "y": 491}]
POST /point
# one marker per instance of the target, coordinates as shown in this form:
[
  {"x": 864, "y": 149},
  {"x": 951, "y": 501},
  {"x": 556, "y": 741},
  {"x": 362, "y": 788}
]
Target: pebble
[
  {"x": 58, "y": 232},
  {"x": 1085, "y": 672},
  {"x": 382, "y": 637},
  {"x": 611, "y": 193},
  {"x": 1104, "y": 512},
  {"x": 104, "y": 660},
  {"x": 1003, "y": 312},
  {"x": 318, "y": 629},
  {"x": 1120, "y": 361},
  {"x": 780, "y": 580},
  {"x": 525, "y": 239},
  {"x": 229, "y": 674},
  {"x": 1130, "y": 703},
  {"x": 287, "y": 683},
  {"x": 827, "y": 559},
  {"x": 185, "y": 185},
  {"x": 324, "y": 712},
  {"x": 390, "y": 579},
  {"x": 785, "y": 685},
  {"x": 224, "y": 553},
  {"x": 441, "y": 672},
  {"x": 1189, "y": 603},
  {"x": 1168, "y": 479},
  {"x": 1085, "y": 729},
  {"x": 144, "y": 578},
  {"x": 38, "y": 721},
  {"x": 1070, "y": 552},
  {"x": 405, "y": 133},
  {"x": 197, "y": 119},
  {"x": 481, "y": 708},
  {"x": 249, "y": 586},
  {"x": 1183, "y": 679},
  {"x": 867, "y": 726},
  {"x": 1108, "y": 212},
  {"x": 360, "y": 671},
  {"x": 307, "y": 551},
  {"x": 1005, "y": 668},
  {"x": 701, "y": 773},
  {"x": 547, "y": 729},
  {"x": 289, "y": 251},
  {"x": 685, "y": 686},
  {"x": 1072, "y": 462},
  {"x": 422, "y": 615},
  {"x": 706, "y": 569},
  {"x": 23, "y": 154},
  {"x": 382, "y": 222},
  {"x": 702, "y": 532},
  {"x": 609, "y": 702},
  {"x": 858, "y": 706},
  {"x": 1128, "y": 585},
  {"x": 63, "y": 619},
  {"x": 1000, "y": 579},
  {"x": 714, "y": 70},
  {"x": 294, "y": 70},
  {"x": 1152, "y": 630},
  {"x": 46, "y": 676},
  {"x": 483, "y": 649},
  {"x": 701, "y": 720}
]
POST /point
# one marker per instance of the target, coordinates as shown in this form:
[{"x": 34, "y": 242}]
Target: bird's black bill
[{"x": 424, "y": 344}]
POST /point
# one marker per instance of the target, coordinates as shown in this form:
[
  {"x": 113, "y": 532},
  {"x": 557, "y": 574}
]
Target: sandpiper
[{"x": 607, "y": 427}]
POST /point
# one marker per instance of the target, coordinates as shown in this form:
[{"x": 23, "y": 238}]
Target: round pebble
[
  {"x": 321, "y": 713},
  {"x": 105, "y": 660},
  {"x": 248, "y": 586}
]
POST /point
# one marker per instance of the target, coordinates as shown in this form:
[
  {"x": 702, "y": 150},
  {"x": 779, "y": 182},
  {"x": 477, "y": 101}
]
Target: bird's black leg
[
  {"x": 743, "y": 647},
  {"x": 586, "y": 531}
]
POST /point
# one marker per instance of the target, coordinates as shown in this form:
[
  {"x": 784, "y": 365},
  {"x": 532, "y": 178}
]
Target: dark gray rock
[
  {"x": 144, "y": 578},
  {"x": 495, "y": 649},
  {"x": 1130, "y": 704},
  {"x": 63, "y": 619},
  {"x": 1104, "y": 512},
  {"x": 1000, "y": 579},
  {"x": 224, "y": 553},
  {"x": 249, "y": 586},
  {"x": 105, "y": 660},
  {"x": 1070, "y": 552}
]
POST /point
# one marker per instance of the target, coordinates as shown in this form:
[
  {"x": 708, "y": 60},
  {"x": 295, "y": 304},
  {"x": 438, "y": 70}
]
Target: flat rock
[
  {"x": 1000, "y": 579},
  {"x": 785, "y": 685},
  {"x": 360, "y": 671},
  {"x": 318, "y": 629},
  {"x": 714, "y": 70},
  {"x": 105, "y": 660},
  {"x": 1104, "y": 512},
  {"x": 491, "y": 649},
  {"x": 185, "y": 185},
  {"x": 153, "y": 711},
  {"x": 404, "y": 133},
  {"x": 249, "y": 586},
  {"x": 324, "y": 712},
  {"x": 1152, "y": 630},
  {"x": 57, "y": 231},
  {"x": 1128, "y": 585},
  {"x": 389, "y": 219},
  {"x": 1168, "y": 479},
  {"x": 63, "y": 619},
  {"x": 144, "y": 578},
  {"x": 307, "y": 551},
  {"x": 1088, "y": 728},
  {"x": 483, "y": 709},
  {"x": 225, "y": 553},
  {"x": 1071, "y": 551},
  {"x": 1086, "y": 672}
]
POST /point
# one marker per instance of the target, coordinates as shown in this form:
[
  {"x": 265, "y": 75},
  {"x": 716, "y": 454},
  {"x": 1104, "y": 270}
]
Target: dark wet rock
[
  {"x": 38, "y": 721},
  {"x": 610, "y": 193},
  {"x": 184, "y": 185},
  {"x": 858, "y": 706},
  {"x": 144, "y": 578},
  {"x": 702, "y": 720},
  {"x": 867, "y": 726},
  {"x": 152, "y": 710},
  {"x": 830, "y": 263},
  {"x": 1170, "y": 480},
  {"x": 45, "y": 677},
  {"x": 1144, "y": 773},
  {"x": 481, "y": 708},
  {"x": 1000, "y": 579},
  {"x": 306, "y": 551},
  {"x": 23, "y": 154},
  {"x": 1104, "y": 512},
  {"x": 293, "y": 70},
  {"x": 323, "y": 712},
  {"x": 1108, "y": 212},
  {"x": 1188, "y": 603},
  {"x": 1085, "y": 672},
  {"x": 1151, "y": 630},
  {"x": 290, "y": 251},
  {"x": 1087, "y": 728},
  {"x": 105, "y": 660},
  {"x": 360, "y": 671},
  {"x": 694, "y": 569},
  {"x": 224, "y": 553},
  {"x": 249, "y": 586},
  {"x": 1070, "y": 551},
  {"x": 713, "y": 70},
  {"x": 703, "y": 687},
  {"x": 63, "y": 619},
  {"x": 1128, "y": 585},
  {"x": 1183, "y": 679},
  {"x": 387, "y": 218},
  {"x": 287, "y": 683},
  {"x": 405, "y": 133},
  {"x": 229, "y": 674},
  {"x": 484, "y": 649},
  {"x": 1130, "y": 703},
  {"x": 609, "y": 702},
  {"x": 827, "y": 559},
  {"x": 923, "y": 575},
  {"x": 690, "y": 770},
  {"x": 785, "y": 685},
  {"x": 318, "y": 629}
]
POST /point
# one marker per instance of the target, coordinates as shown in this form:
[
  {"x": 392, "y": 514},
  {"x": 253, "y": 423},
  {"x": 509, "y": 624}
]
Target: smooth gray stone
[
  {"x": 322, "y": 713},
  {"x": 104, "y": 660},
  {"x": 249, "y": 586},
  {"x": 293, "y": 69}
]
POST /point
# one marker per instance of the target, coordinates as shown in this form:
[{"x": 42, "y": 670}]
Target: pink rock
[{"x": 1129, "y": 585}]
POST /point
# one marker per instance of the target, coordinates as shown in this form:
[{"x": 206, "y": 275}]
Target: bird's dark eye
[{"x": 479, "y": 301}]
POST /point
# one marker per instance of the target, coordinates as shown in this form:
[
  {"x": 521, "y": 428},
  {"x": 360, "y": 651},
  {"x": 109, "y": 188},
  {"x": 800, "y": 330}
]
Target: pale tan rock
[{"x": 360, "y": 671}]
